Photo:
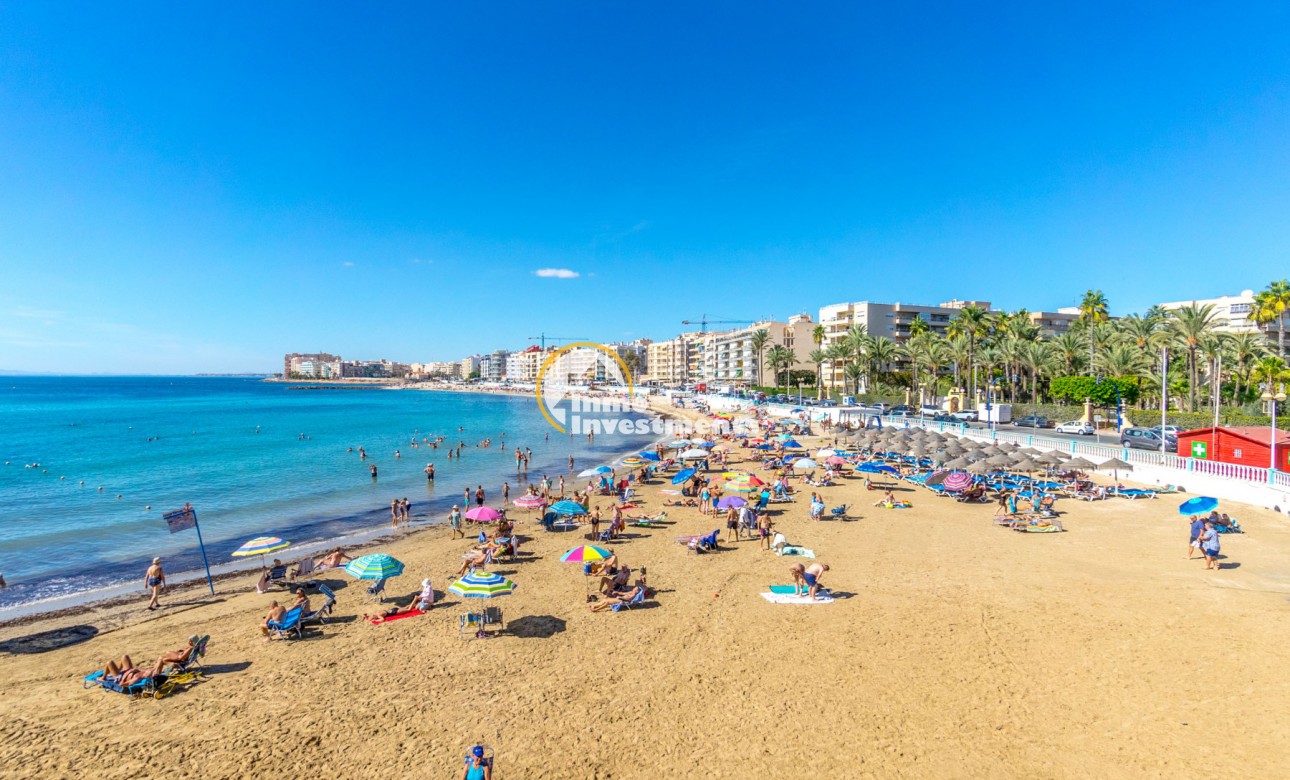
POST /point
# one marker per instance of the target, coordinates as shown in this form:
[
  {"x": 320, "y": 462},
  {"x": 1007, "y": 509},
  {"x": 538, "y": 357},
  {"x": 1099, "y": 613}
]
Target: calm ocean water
[{"x": 161, "y": 442}]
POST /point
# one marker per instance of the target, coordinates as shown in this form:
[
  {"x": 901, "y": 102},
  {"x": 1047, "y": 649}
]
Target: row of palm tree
[{"x": 1010, "y": 353}]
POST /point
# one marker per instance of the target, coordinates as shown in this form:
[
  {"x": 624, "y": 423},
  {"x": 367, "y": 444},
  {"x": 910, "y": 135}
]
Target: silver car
[{"x": 1077, "y": 427}]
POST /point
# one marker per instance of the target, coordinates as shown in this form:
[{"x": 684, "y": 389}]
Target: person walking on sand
[
  {"x": 155, "y": 580},
  {"x": 1210, "y": 545},
  {"x": 1197, "y": 528},
  {"x": 396, "y": 510},
  {"x": 454, "y": 520}
]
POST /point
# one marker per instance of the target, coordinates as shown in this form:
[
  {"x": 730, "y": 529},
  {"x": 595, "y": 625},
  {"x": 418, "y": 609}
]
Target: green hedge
[
  {"x": 1055, "y": 412},
  {"x": 1190, "y": 421}
]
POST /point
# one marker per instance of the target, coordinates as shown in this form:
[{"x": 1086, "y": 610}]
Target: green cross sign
[{"x": 1200, "y": 449}]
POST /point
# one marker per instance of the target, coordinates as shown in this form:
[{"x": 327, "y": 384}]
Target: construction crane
[
  {"x": 703, "y": 321},
  {"x": 542, "y": 339}
]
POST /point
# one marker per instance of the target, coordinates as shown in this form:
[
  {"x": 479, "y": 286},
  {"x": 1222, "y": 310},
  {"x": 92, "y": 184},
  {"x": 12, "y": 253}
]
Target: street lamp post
[{"x": 1273, "y": 399}]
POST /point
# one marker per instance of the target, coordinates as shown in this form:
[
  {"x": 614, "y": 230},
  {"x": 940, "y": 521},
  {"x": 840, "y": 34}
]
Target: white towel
[
  {"x": 800, "y": 552},
  {"x": 789, "y": 598}
]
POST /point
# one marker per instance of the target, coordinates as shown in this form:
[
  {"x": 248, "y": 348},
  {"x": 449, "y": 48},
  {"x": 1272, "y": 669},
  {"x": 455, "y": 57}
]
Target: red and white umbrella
[{"x": 958, "y": 480}]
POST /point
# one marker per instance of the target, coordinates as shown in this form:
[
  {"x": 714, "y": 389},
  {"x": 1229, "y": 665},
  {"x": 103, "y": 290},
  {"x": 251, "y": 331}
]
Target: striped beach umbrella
[
  {"x": 958, "y": 480},
  {"x": 529, "y": 501},
  {"x": 567, "y": 507},
  {"x": 597, "y": 471},
  {"x": 483, "y": 514},
  {"x": 481, "y": 585},
  {"x": 585, "y": 553},
  {"x": 632, "y": 460},
  {"x": 374, "y": 566},
  {"x": 261, "y": 545}
]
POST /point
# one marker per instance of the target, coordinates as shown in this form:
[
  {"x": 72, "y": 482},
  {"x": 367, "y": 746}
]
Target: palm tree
[
  {"x": 958, "y": 355},
  {"x": 853, "y": 371},
  {"x": 1010, "y": 350},
  {"x": 882, "y": 351},
  {"x": 818, "y": 357},
  {"x": 780, "y": 358},
  {"x": 1069, "y": 348},
  {"x": 972, "y": 323},
  {"x": 1122, "y": 360},
  {"x": 919, "y": 326},
  {"x": 1038, "y": 359},
  {"x": 1270, "y": 307},
  {"x": 1245, "y": 349},
  {"x": 836, "y": 355},
  {"x": 1190, "y": 325},
  {"x": 758, "y": 341},
  {"x": 857, "y": 340},
  {"x": 1093, "y": 310}
]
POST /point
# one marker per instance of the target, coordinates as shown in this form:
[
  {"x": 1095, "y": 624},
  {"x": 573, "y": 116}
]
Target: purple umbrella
[
  {"x": 958, "y": 480},
  {"x": 730, "y": 501}
]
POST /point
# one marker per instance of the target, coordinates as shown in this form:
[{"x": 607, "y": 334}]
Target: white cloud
[
  {"x": 556, "y": 273},
  {"x": 347, "y": 264}
]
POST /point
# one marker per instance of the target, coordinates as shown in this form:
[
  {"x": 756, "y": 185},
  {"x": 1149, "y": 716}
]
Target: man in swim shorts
[
  {"x": 812, "y": 577},
  {"x": 155, "y": 580}
]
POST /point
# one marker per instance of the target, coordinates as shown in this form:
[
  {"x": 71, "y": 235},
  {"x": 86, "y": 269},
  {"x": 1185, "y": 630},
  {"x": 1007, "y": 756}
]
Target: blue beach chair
[{"x": 290, "y": 624}]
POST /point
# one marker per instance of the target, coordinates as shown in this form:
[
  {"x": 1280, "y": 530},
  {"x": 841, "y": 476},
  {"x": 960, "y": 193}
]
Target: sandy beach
[{"x": 954, "y": 649}]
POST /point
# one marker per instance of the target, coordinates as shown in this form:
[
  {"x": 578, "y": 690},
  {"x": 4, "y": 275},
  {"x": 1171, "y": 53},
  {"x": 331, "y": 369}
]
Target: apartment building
[
  {"x": 1054, "y": 323},
  {"x": 891, "y": 320},
  {"x": 733, "y": 360},
  {"x": 492, "y": 367},
  {"x": 1232, "y": 311},
  {"x": 311, "y": 365}
]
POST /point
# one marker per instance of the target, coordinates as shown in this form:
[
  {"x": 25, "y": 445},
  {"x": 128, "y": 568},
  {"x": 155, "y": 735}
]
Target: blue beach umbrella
[
  {"x": 1200, "y": 505},
  {"x": 567, "y": 507},
  {"x": 791, "y": 443},
  {"x": 647, "y": 455},
  {"x": 375, "y": 566},
  {"x": 682, "y": 476}
]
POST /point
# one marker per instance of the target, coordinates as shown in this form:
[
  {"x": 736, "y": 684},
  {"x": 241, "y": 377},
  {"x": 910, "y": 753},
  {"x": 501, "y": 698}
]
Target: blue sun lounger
[{"x": 290, "y": 624}]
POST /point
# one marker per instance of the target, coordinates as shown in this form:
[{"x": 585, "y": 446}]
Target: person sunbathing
[
  {"x": 621, "y": 598},
  {"x": 887, "y": 498},
  {"x": 332, "y": 560},
  {"x": 276, "y": 613},
  {"x": 682, "y": 502},
  {"x": 178, "y": 657},
  {"x": 477, "y": 557},
  {"x": 301, "y": 601},
  {"x": 617, "y": 581},
  {"x": 123, "y": 672}
]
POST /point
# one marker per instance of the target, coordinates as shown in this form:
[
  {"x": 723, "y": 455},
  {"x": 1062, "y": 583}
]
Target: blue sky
[{"x": 205, "y": 190}]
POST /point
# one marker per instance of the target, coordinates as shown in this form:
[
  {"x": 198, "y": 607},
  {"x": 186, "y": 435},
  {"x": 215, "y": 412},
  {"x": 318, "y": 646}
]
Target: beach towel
[
  {"x": 399, "y": 616},
  {"x": 670, "y": 492},
  {"x": 782, "y": 589},
  {"x": 789, "y": 598},
  {"x": 799, "y": 551}
]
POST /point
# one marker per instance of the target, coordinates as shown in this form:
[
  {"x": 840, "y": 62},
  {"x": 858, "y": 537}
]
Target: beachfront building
[
  {"x": 373, "y": 369},
  {"x": 469, "y": 366},
  {"x": 635, "y": 354},
  {"x": 890, "y": 320},
  {"x": 1054, "y": 323},
  {"x": 523, "y": 366},
  {"x": 438, "y": 369},
  {"x": 1231, "y": 312},
  {"x": 668, "y": 360},
  {"x": 492, "y": 367},
  {"x": 734, "y": 361},
  {"x": 311, "y": 365},
  {"x": 700, "y": 356}
]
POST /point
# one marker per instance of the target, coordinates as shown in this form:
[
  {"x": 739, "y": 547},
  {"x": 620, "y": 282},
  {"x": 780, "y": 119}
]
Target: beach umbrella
[
  {"x": 999, "y": 460},
  {"x": 1200, "y": 505},
  {"x": 958, "y": 480},
  {"x": 682, "y": 476},
  {"x": 791, "y": 444},
  {"x": 970, "y": 444},
  {"x": 374, "y": 566},
  {"x": 693, "y": 454},
  {"x": 722, "y": 446},
  {"x": 481, "y": 585},
  {"x": 740, "y": 487},
  {"x": 529, "y": 501},
  {"x": 261, "y": 545},
  {"x": 827, "y": 452},
  {"x": 935, "y": 478},
  {"x": 958, "y": 463},
  {"x": 1052, "y": 458},
  {"x": 1027, "y": 465},
  {"x": 585, "y": 553},
  {"x": 483, "y": 514},
  {"x": 707, "y": 445},
  {"x": 834, "y": 460},
  {"x": 597, "y": 471},
  {"x": 650, "y": 456},
  {"x": 1077, "y": 463},
  {"x": 805, "y": 463},
  {"x": 1008, "y": 446},
  {"x": 567, "y": 507},
  {"x": 677, "y": 444},
  {"x": 1030, "y": 451},
  {"x": 979, "y": 468},
  {"x": 632, "y": 460},
  {"x": 1115, "y": 464},
  {"x": 727, "y": 502}
]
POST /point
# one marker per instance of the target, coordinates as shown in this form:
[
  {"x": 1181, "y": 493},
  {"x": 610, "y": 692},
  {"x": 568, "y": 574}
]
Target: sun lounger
[
  {"x": 145, "y": 688},
  {"x": 289, "y": 625},
  {"x": 705, "y": 543},
  {"x": 321, "y": 614},
  {"x": 1134, "y": 493},
  {"x": 377, "y": 591},
  {"x": 649, "y": 522},
  {"x": 634, "y": 600}
]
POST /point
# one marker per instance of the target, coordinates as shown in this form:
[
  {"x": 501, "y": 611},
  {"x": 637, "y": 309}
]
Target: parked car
[
  {"x": 1170, "y": 430},
  {"x": 902, "y": 409},
  {"x": 1076, "y": 426},
  {"x": 942, "y": 417},
  {"x": 1033, "y": 421},
  {"x": 880, "y": 408},
  {"x": 828, "y": 402},
  {"x": 1146, "y": 439},
  {"x": 967, "y": 415}
]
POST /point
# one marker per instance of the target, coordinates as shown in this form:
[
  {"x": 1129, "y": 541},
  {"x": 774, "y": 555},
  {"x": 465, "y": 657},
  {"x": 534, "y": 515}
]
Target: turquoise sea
[{"x": 252, "y": 457}]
